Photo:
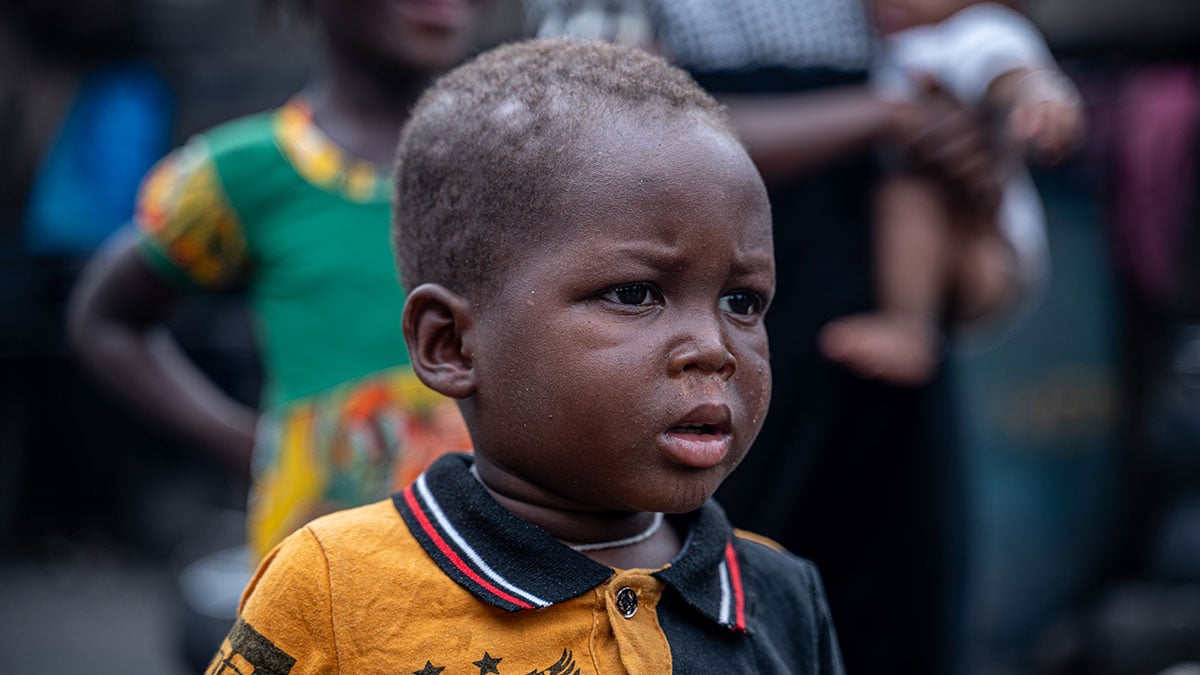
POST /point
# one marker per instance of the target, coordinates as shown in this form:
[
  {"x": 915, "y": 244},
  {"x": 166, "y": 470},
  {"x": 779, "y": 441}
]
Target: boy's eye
[
  {"x": 631, "y": 294},
  {"x": 742, "y": 303}
]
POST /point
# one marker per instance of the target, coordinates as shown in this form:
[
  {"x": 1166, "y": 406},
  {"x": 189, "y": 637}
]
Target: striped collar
[{"x": 514, "y": 565}]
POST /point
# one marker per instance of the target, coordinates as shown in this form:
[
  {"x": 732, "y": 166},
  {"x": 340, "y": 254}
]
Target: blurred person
[
  {"x": 1138, "y": 65},
  {"x": 599, "y": 317},
  {"x": 290, "y": 207},
  {"x": 83, "y": 113},
  {"x": 976, "y": 256},
  {"x": 116, "y": 123},
  {"x": 863, "y": 477}
]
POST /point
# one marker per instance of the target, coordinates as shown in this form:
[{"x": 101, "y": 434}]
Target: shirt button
[{"x": 627, "y": 602}]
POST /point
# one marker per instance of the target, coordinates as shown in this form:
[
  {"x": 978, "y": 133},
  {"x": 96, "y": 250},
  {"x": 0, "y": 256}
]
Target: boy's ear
[{"x": 435, "y": 319}]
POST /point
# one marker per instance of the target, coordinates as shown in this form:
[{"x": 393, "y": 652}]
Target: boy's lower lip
[{"x": 702, "y": 451}]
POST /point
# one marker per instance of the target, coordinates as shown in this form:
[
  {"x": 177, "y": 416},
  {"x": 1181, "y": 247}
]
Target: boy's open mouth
[
  {"x": 701, "y": 438},
  {"x": 698, "y": 429},
  {"x": 708, "y": 419}
]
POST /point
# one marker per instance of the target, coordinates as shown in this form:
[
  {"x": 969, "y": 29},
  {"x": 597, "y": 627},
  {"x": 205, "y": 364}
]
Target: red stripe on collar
[
  {"x": 735, "y": 580},
  {"x": 453, "y": 557}
]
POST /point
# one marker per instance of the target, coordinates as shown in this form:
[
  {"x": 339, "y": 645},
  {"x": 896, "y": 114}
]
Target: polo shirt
[{"x": 443, "y": 579}]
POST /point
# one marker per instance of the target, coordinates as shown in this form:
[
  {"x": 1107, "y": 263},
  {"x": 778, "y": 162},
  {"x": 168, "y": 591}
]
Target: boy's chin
[{"x": 682, "y": 499}]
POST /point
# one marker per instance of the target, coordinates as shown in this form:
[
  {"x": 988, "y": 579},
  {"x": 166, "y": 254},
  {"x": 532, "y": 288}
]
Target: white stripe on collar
[
  {"x": 726, "y": 595},
  {"x": 444, "y": 523}
]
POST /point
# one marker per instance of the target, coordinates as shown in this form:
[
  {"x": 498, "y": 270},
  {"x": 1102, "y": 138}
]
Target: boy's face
[{"x": 623, "y": 366}]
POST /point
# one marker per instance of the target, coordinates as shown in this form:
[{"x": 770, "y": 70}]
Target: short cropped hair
[{"x": 484, "y": 160}]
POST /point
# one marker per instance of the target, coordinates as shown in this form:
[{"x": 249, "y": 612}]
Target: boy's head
[
  {"x": 589, "y": 252},
  {"x": 492, "y": 148}
]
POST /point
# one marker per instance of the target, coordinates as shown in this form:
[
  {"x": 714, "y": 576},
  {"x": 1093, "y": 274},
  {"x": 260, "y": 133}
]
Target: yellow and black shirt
[{"x": 442, "y": 579}]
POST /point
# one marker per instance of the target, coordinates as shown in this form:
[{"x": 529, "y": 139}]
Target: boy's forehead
[
  {"x": 628, "y": 160},
  {"x": 641, "y": 150},
  {"x": 617, "y": 168},
  {"x": 626, "y": 166}
]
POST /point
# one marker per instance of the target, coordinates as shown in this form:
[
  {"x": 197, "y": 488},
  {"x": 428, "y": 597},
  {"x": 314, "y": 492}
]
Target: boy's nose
[{"x": 703, "y": 349}]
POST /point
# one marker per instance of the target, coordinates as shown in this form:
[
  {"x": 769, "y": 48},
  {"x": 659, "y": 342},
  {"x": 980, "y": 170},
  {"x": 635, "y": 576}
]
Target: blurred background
[{"x": 1083, "y": 427}]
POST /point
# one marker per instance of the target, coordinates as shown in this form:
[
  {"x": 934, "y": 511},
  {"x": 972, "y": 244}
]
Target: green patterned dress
[{"x": 270, "y": 204}]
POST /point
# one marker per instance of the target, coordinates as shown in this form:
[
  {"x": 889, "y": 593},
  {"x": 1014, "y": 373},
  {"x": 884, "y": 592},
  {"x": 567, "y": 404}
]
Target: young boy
[
  {"x": 936, "y": 258},
  {"x": 590, "y": 257}
]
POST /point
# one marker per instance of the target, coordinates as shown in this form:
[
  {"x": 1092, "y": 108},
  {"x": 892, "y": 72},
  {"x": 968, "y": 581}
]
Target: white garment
[{"x": 964, "y": 54}]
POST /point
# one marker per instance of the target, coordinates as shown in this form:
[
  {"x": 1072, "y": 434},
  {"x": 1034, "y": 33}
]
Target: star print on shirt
[
  {"x": 564, "y": 666},
  {"x": 430, "y": 669},
  {"x": 488, "y": 664}
]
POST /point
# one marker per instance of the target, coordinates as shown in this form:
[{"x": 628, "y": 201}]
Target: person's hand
[
  {"x": 232, "y": 438},
  {"x": 1047, "y": 115},
  {"x": 945, "y": 138}
]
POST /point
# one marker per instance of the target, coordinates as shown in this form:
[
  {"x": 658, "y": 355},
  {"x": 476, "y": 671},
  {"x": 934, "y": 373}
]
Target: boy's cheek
[
  {"x": 759, "y": 352},
  {"x": 757, "y": 393}
]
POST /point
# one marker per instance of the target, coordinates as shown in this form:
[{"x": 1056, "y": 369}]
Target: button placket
[
  {"x": 631, "y": 603},
  {"x": 627, "y": 602}
]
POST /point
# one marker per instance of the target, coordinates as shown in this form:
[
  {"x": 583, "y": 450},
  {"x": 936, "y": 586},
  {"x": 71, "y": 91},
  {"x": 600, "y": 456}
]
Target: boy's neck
[
  {"x": 363, "y": 111},
  {"x": 585, "y": 527}
]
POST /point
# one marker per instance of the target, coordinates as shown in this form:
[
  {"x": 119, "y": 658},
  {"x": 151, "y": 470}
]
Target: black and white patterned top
[
  {"x": 737, "y": 34},
  {"x": 724, "y": 34}
]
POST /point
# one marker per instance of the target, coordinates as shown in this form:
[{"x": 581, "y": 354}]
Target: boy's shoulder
[
  {"x": 350, "y": 527},
  {"x": 772, "y": 563},
  {"x": 376, "y": 513},
  {"x": 786, "y": 601},
  {"x": 758, "y": 539},
  {"x": 314, "y": 554},
  {"x": 349, "y": 549},
  {"x": 346, "y": 537}
]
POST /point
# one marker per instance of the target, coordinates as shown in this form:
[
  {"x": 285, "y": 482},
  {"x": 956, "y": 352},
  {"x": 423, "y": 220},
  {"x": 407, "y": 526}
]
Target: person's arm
[
  {"x": 791, "y": 134},
  {"x": 115, "y": 326},
  {"x": 788, "y": 135}
]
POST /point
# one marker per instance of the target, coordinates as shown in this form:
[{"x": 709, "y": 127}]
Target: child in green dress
[{"x": 292, "y": 206}]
